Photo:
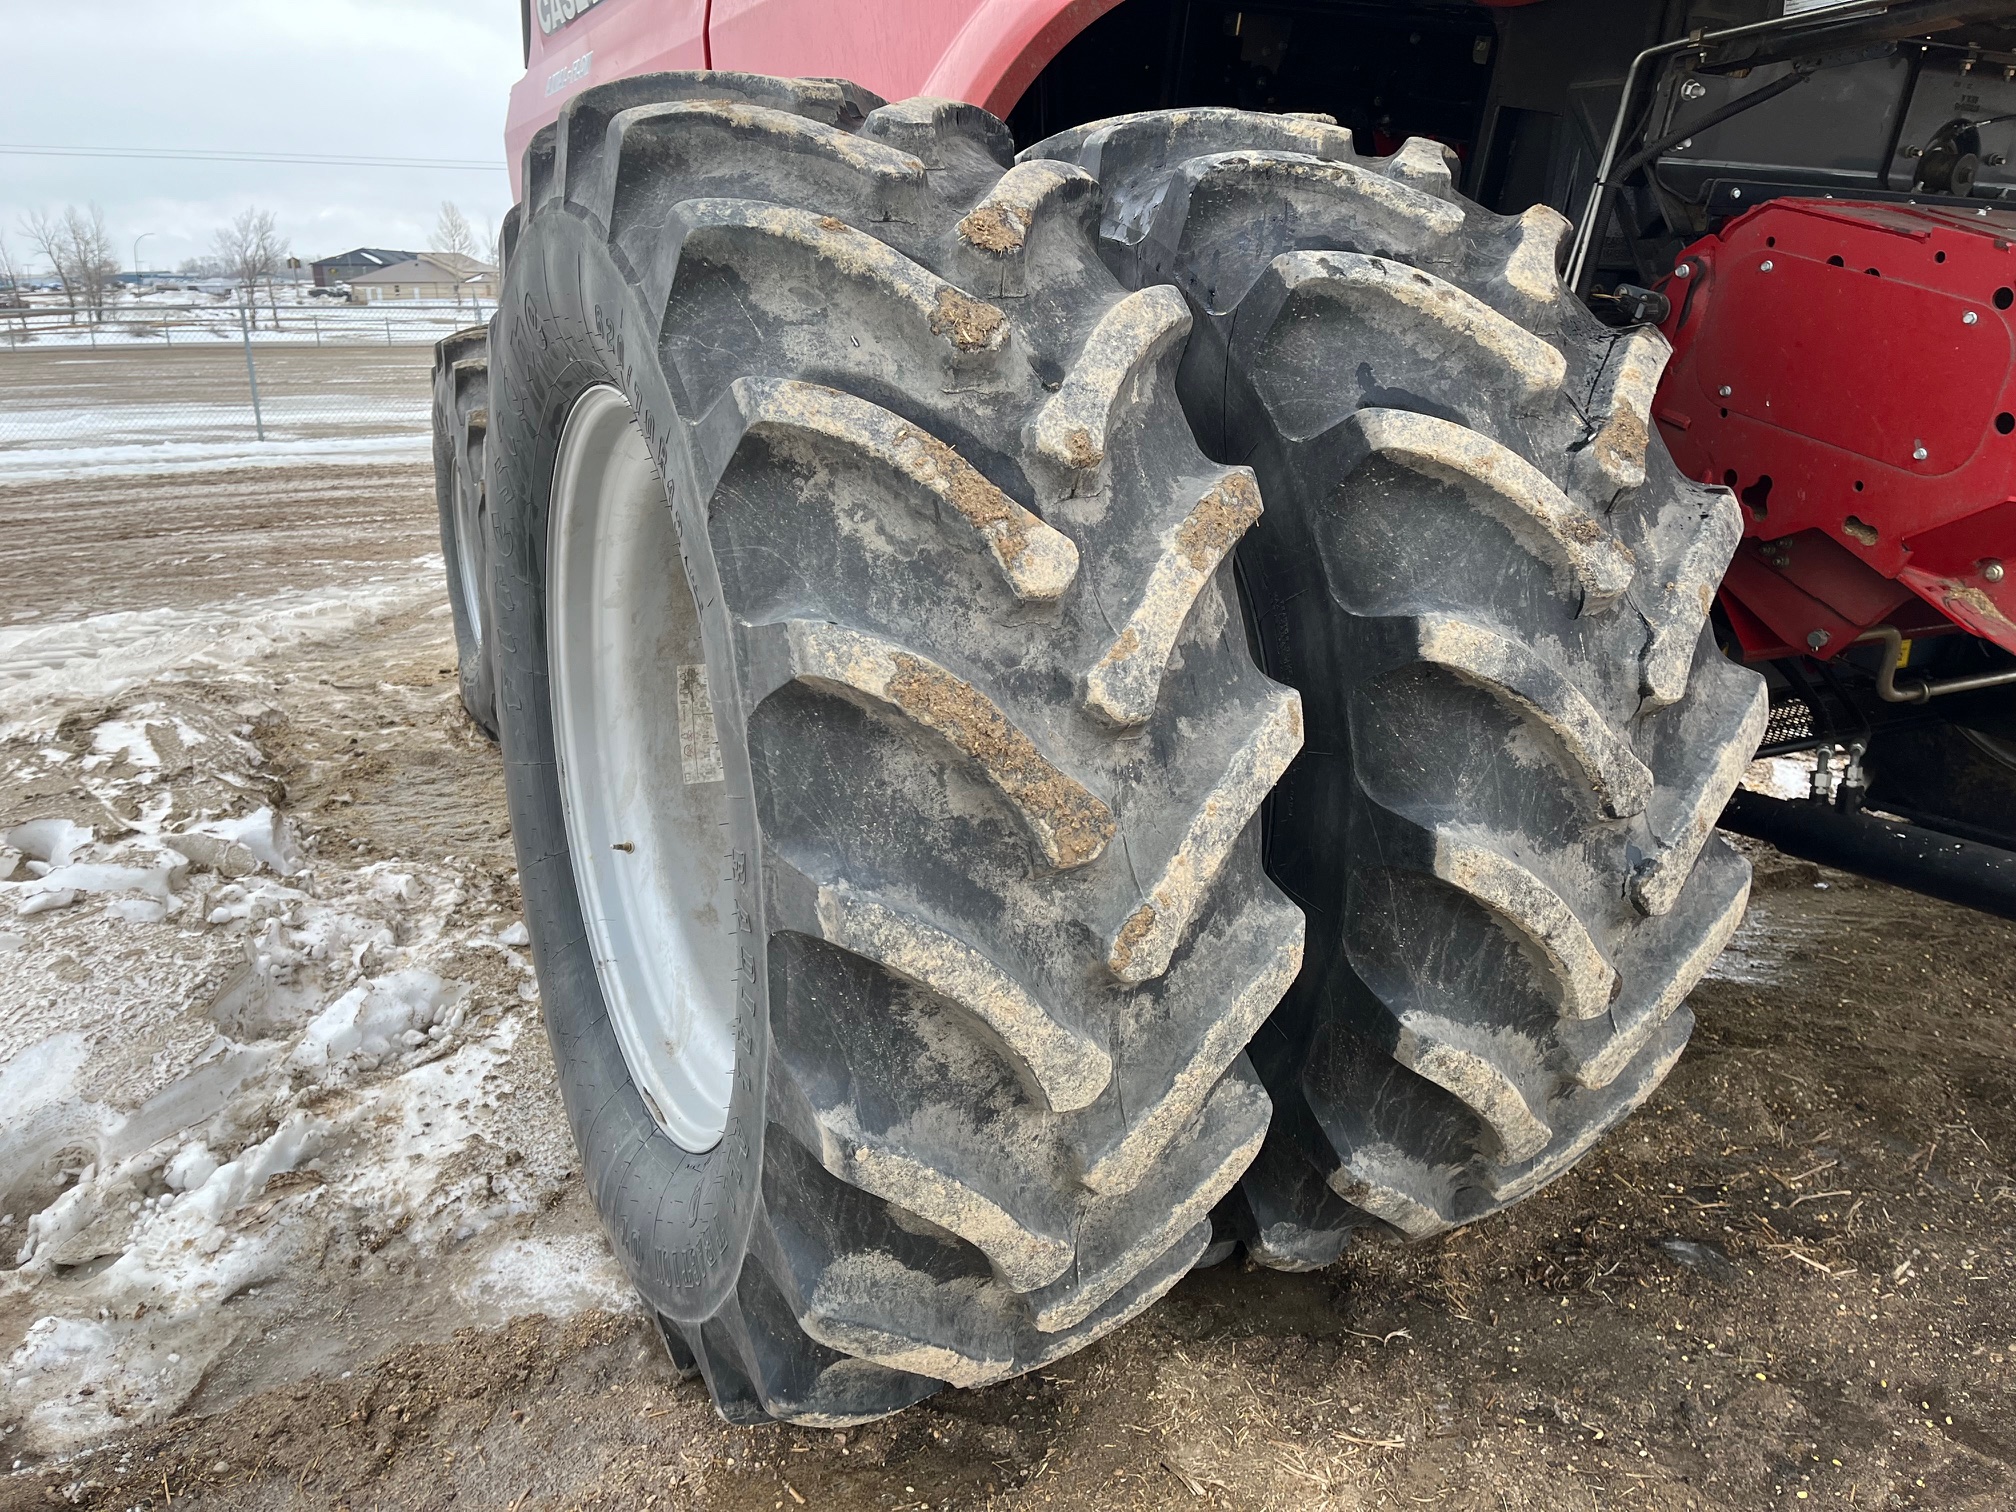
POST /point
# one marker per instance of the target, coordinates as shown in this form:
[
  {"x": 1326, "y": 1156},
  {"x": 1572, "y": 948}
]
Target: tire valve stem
[{"x": 626, "y": 846}]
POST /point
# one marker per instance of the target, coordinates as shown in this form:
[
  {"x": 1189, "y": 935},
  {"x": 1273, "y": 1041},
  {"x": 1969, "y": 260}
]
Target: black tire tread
[
  {"x": 1018, "y": 944},
  {"x": 1526, "y": 730}
]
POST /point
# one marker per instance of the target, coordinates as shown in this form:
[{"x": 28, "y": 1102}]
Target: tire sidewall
[{"x": 569, "y": 321}]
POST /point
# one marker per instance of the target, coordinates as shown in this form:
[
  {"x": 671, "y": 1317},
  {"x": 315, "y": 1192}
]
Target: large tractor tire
[
  {"x": 883, "y": 755},
  {"x": 1490, "y": 586},
  {"x": 461, "y": 431}
]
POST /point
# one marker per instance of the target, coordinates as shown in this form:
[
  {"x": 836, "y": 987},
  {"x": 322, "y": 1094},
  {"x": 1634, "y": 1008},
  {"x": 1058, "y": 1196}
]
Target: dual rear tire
[
  {"x": 886, "y": 748},
  {"x": 1491, "y": 586}
]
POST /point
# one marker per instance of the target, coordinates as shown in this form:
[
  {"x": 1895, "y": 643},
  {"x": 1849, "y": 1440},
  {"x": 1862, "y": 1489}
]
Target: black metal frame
[{"x": 1810, "y": 42}]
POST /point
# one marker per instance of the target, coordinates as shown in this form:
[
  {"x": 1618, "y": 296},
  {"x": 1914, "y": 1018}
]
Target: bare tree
[
  {"x": 79, "y": 252},
  {"x": 452, "y": 232},
  {"x": 454, "y": 235},
  {"x": 251, "y": 251},
  {"x": 276, "y": 252},
  {"x": 11, "y": 276},
  {"x": 45, "y": 234},
  {"x": 94, "y": 263}
]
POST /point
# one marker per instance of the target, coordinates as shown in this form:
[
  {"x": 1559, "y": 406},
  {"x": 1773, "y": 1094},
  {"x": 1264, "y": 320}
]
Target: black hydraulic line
[
  {"x": 1922, "y": 860},
  {"x": 1905, "y": 96},
  {"x": 1715, "y": 117}
]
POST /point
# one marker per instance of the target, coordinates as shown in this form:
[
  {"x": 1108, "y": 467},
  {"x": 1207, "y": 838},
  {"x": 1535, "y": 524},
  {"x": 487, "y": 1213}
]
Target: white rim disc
[
  {"x": 641, "y": 779},
  {"x": 468, "y": 565}
]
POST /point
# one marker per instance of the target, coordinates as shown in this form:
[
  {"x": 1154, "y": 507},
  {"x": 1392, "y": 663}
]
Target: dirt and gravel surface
[
  {"x": 290, "y": 1218},
  {"x": 95, "y": 544},
  {"x": 135, "y": 407},
  {"x": 201, "y": 391}
]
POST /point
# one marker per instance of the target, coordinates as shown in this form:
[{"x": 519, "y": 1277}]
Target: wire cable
[{"x": 199, "y": 155}]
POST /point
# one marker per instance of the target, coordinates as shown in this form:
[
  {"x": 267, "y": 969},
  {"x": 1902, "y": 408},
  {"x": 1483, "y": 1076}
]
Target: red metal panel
[
  {"x": 984, "y": 51},
  {"x": 1814, "y": 563},
  {"x": 1947, "y": 569},
  {"x": 1850, "y": 370},
  {"x": 1846, "y": 346},
  {"x": 615, "y": 39},
  {"x": 889, "y": 46},
  {"x": 1793, "y": 616},
  {"x": 1006, "y": 44},
  {"x": 1754, "y": 639}
]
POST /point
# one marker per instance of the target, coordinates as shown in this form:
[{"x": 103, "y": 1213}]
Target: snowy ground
[
  {"x": 212, "y": 315},
  {"x": 273, "y": 1092},
  {"x": 145, "y": 409}
]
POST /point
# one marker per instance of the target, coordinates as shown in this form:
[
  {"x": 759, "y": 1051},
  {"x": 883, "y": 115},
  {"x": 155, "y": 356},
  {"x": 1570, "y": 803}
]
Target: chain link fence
[{"x": 196, "y": 382}]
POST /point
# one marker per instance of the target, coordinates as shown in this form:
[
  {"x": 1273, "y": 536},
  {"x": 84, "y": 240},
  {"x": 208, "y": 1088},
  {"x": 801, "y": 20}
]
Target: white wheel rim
[
  {"x": 468, "y": 565},
  {"x": 646, "y": 820}
]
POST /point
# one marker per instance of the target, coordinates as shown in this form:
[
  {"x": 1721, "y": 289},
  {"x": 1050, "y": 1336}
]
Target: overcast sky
[{"x": 380, "y": 78}]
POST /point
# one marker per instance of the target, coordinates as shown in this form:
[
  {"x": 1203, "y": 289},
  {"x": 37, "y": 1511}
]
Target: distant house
[
  {"x": 345, "y": 266},
  {"x": 426, "y": 275}
]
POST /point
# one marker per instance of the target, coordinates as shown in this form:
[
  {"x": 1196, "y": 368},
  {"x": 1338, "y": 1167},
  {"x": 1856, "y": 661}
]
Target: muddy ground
[
  {"x": 1787, "y": 1281},
  {"x": 101, "y": 543}
]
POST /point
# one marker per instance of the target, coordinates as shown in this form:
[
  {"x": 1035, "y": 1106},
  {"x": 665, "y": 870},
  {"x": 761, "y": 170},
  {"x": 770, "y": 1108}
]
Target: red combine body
[
  {"x": 1850, "y": 371},
  {"x": 983, "y": 51}
]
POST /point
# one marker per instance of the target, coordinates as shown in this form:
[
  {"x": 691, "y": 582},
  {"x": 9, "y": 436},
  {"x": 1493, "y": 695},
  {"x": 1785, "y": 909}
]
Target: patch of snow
[
  {"x": 567, "y": 1274},
  {"x": 41, "y": 464},
  {"x": 70, "y": 662},
  {"x": 61, "y": 886},
  {"x": 52, "y": 841},
  {"x": 137, "y": 910},
  {"x": 263, "y": 834},
  {"x": 192, "y": 1166},
  {"x": 396, "y": 1012},
  {"x": 125, "y": 738},
  {"x": 1780, "y": 776}
]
